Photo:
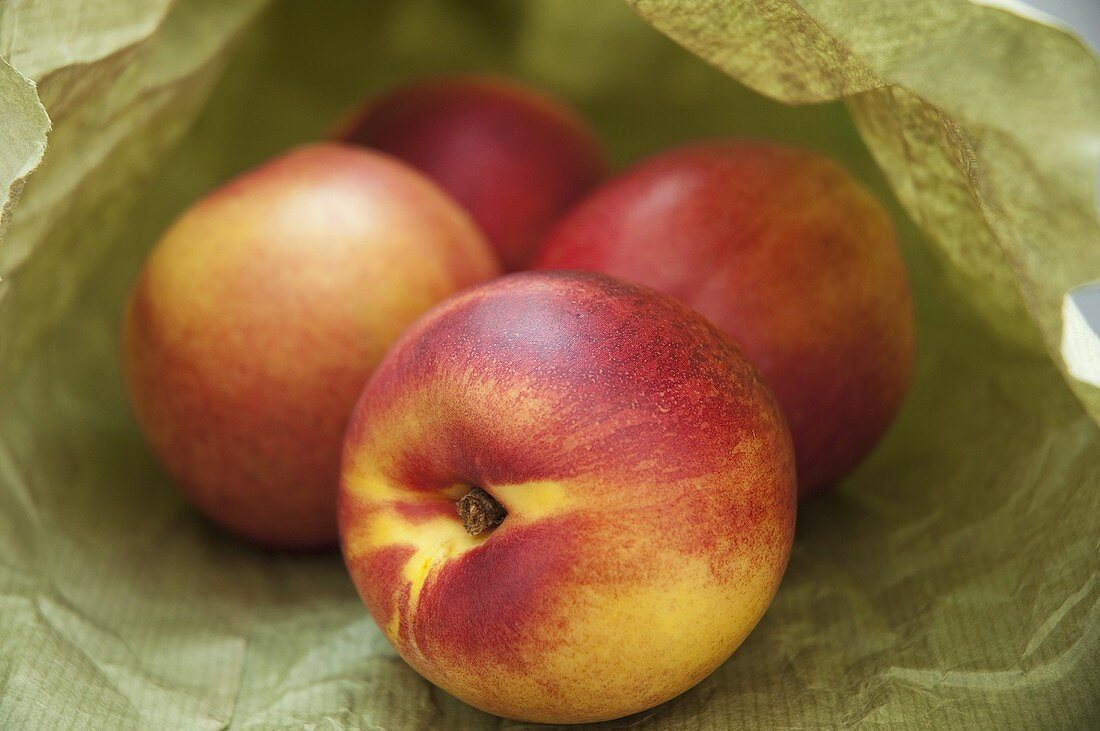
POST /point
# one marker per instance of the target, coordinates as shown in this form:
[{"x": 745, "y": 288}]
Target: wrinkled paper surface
[{"x": 951, "y": 582}]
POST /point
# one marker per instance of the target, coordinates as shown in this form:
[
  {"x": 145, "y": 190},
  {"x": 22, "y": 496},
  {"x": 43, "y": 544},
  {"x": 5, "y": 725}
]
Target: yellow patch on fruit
[
  {"x": 435, "y": 541},
  {"x": 369, "y": 486},
  {"x": 532, "y": 501}
]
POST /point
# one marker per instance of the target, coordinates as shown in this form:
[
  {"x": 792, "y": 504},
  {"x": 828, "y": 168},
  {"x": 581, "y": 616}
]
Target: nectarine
[
  {"x": 566, "y": 498},
  {"x": 781, "y": 248},
  {"x": 260, "y": 314},
  {"x": 514, "y": 157}
]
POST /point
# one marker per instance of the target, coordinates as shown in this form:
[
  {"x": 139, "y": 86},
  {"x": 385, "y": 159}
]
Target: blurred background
[{"x": 1082, "y": 15}]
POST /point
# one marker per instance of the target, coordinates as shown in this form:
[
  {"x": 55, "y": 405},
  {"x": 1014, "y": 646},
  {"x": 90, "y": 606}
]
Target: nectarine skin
[
  {"x": 647, "y": 475},
  {"x": 781, "y": 248},
  {"x": 261, "y": 313},
  {"x": 514, "y": 157}
]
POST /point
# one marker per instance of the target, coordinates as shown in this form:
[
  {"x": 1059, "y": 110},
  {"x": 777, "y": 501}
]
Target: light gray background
[
  {"x": 1081, "y": 314},
  {"x": 1083, "y": 15}
]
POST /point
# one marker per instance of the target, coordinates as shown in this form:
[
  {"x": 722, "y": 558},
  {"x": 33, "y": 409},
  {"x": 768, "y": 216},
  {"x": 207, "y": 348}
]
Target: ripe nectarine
[
  {"x": 260, "y": 314},
  {"x": 566, "y": 498},
  {"x": 781, "y": 248},
  {"x": 514, "y": 157}
]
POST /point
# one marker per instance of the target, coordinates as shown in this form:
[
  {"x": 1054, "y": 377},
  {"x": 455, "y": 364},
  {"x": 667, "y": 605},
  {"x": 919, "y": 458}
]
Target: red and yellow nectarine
[
  {"x": 260, "y": 314},
  {"x": 628, "y": 475},
  {"x": 514, "y": 157},
  {"x": 781, "y": 248}
]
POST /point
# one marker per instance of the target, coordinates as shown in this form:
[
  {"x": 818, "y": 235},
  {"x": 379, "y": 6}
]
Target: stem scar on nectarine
[{"x": 480, "y": 511}]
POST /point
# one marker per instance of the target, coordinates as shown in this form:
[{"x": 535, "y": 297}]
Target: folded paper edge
[
  {"x": 25, "y": 94},
  {"x": 1081, "y": 333}
]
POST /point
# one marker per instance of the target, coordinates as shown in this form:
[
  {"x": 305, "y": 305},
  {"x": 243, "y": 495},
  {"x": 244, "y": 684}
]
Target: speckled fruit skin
[
  {"x": 781, "y": 248},
  {"x": 648, "y": 477},
  {"x": 514, "y": 157},
  {"x": 261, "y": 313}
]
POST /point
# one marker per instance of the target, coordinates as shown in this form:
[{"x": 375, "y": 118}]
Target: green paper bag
[{"x": 950, "y": 582}]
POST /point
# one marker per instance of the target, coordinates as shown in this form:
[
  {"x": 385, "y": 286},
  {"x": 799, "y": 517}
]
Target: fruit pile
[{"x": 566, "y": 494}]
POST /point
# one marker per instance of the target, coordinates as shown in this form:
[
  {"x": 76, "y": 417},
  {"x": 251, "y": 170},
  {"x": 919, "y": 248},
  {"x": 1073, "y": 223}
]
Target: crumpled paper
[{"x": 951, "y": 582}]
